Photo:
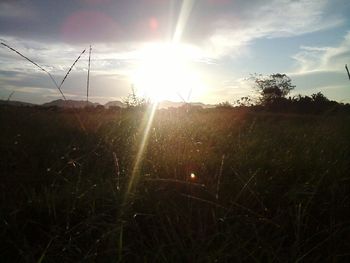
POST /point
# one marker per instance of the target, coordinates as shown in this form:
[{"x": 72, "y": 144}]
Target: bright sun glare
[{"x": 166, "y": 72}]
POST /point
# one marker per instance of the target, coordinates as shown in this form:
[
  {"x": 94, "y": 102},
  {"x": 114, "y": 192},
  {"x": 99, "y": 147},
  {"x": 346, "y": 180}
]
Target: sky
[{"x": 192, "y": 50}]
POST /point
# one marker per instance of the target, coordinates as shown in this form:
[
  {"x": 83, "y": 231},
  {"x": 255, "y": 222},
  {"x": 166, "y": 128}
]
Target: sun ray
[
  {"x": 145, "y": 126},
  {"x": 159, "y": 72},
  {"x": 185, "y": 12}
]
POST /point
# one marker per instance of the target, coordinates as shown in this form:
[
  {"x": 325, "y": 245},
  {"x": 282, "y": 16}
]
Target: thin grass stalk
[
  {"x": 219, "y": 177},
  {"x": 9, "y": 97},
  {"x": 70, "y": 69},
  {"x": 189, "y": 94},
  {"x": 182, "y": 98},
  {"x": 117, "y": 170},
  {"x": 88, "y": 78},
  {"x": 37, "y": 65}
]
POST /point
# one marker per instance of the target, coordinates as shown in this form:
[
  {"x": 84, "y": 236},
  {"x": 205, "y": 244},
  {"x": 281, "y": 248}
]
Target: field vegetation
[{"x": 229, "y": 184}]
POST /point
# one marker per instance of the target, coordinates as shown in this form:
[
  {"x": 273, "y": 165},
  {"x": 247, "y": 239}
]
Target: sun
[{"x": 165, "y": 71}]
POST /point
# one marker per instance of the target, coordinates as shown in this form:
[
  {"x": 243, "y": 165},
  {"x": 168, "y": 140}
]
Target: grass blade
[
  {"x": 70, "y": 69},
  {"x": 9, "y": 97},
  {"x": 37, "y": 65},
  {"x": 88, "y": 78}
]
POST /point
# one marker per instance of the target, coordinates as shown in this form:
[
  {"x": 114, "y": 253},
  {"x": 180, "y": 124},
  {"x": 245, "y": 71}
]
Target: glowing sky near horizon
[{"x": 218, "y": 44}]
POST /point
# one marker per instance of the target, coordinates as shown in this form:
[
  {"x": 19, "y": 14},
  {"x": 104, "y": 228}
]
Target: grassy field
[{"x": 267, "y": 187}]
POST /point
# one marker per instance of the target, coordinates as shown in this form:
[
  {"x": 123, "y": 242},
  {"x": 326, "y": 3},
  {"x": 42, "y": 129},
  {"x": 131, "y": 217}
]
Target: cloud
[
  {"x": 221, "y": 26},
  {"x": 57, "y": 58},
  {"x": 231, "y": 90},
  {"x": 318, "y": 68},
  {"x": 322, "y": 69},
  {"x": 38, "y": 88},
  {"x": 227, "y": 32},
  {"x": 311, "y": 59}
]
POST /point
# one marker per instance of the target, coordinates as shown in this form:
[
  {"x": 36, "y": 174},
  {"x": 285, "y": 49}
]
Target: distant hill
[
  {"x": 171, "y": 104},
  {"x": 204, "y": 106},
  {"x": 115, "y": 103},
  {"x": 82, "y": 103},
  {"x": 16, "y": 103},
  {"x": 69, "y": 104},
  {"x": 165, "y": 104}
]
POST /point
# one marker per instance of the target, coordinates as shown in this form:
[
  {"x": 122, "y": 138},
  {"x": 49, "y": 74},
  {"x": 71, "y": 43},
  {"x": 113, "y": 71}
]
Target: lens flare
[{"x": 193, "y": 176}]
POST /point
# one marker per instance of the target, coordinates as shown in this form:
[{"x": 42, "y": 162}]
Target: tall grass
[
  {"x": 38, "y": 66},
  {"x": 282, "y": 187},
  {"x": 88, "y": 77},
  {"x": 71, "y": 67},
  {"x": 44, "y": 70},
  {"x": 10, "y": 96}
]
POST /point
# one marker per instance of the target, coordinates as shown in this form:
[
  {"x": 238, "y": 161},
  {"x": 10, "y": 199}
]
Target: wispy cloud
[
  {"x": 268, "y": 19},
  {"x": 232, "y": 90},
  {"x": 221, "y": 27},
  {"x": 316, "y": 58},
  {"x": 322, "y": 69}
]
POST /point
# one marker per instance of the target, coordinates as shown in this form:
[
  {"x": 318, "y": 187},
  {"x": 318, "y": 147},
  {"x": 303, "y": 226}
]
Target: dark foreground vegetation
[{"x": 268, "y": 187}]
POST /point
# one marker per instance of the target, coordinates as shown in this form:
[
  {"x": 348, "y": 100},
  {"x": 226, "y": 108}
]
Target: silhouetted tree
[
  {"x": 272, "y": 88},
  {"x": 245, "y": 102},
  {"x": 319, "y": 98},
  {"x": 224, "y": 105},
  {"x": 132, "y": 100},
  {"x": 316, "y": 103}
]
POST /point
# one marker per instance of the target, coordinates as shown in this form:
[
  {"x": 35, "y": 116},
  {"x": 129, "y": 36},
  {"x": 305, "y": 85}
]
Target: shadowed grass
[{"x": 268, "y": 187}]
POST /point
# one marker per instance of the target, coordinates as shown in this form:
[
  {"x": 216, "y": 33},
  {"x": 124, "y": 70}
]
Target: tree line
[{"x": 273, "y": 91}]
